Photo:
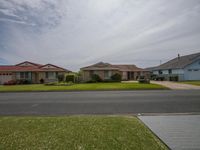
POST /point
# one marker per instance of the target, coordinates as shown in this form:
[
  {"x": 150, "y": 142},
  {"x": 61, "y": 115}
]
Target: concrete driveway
[
  {"x": 176, "y": 86},
  {"x": 179, "y": 132}
]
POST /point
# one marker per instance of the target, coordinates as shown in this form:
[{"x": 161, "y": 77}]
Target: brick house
[
  {"x": 32, "y": 72},
  {"x": 106, "y": 70}
]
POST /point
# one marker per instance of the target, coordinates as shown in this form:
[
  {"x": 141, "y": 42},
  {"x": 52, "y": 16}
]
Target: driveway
[
  {"x": 176, "y": 86},
  {"x": 178, "y": 132},
  {"x": 100, "y": 102}
]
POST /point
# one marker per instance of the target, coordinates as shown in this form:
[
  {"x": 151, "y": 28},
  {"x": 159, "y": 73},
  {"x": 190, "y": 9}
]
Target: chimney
[{"x": 178, "y": 56}]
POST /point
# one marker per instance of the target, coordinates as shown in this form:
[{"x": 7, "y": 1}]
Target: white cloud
[{"x": 76, "y": 33}]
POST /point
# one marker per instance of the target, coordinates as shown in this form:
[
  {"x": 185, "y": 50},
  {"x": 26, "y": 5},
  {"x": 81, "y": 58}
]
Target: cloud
[{"x": 77, "y": 33}]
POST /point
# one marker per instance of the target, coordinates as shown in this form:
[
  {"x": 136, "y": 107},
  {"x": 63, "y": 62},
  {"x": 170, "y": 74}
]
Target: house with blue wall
[{"x": 181, "y": 68}]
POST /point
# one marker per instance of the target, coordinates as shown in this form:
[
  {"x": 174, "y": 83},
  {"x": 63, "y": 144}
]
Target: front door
[{"x": 130, "y": 75}]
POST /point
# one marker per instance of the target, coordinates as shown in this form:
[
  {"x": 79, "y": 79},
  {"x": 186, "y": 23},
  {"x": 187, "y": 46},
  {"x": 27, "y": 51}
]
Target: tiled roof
[
  {"x": 29, "y": 63},
  {"x": 179, "y": 62},
  {"x": 107, "y": 66},
  {"x": 100, "y": 66},
  {"x": 128, "y": 68},
  {"x": 36, "y": 67}
]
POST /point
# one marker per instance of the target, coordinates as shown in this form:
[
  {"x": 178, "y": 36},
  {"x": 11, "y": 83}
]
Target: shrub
[
  {"x": 173, "y": 78},
  {"x": 116, "y": 77},
  {"x": 11, "y": 82},
  {"x": 61, "y": 77},
  {"x": 109, "y": 80},
  {"x": 50, "y": 83},
  {"x": 160, "y": 78},
  {"x": 70, "y": 78},
  {"x": 142, "y": 79},
  {"x": 96, "y": 78},
  {"x": 41, "y": 81},
  {"x": 90, "y": 81}
]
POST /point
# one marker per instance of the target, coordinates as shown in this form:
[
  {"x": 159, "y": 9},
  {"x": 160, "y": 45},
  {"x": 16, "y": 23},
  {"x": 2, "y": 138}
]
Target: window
[
  {"x": 24, "y": 75},
  {"x": 170, "y": 71},
  {"x": 91, "y": 73},
  {"x": 49, "y": 75},
  {"x": 46, "y": 75},
  {"x": 160, "y": 71},
  {"x": 107, "y": 74},
  {"x": 189, "y": 69},
  {"x": 196, "y": 70}
]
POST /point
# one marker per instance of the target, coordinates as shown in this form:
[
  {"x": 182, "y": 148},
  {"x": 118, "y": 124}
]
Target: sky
[{"x": 77, "y": 33}]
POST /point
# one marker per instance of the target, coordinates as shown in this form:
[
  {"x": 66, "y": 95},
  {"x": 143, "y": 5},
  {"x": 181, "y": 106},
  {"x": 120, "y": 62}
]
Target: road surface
[{"x": 100, "y": 102}]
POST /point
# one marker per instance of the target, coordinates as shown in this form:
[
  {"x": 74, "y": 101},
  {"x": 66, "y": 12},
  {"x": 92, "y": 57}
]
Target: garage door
[
  {"x": 5, "y": 77},
  {"x": 194, "y": 75}
]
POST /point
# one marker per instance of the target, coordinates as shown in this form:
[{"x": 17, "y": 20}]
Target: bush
[
  {"x": 70, "y": 78},
  {"x": 96, "y": 78},
  {"x": 160, "y": 78},
  {"x": 41, "y": 81},
  {"x": 142, "y": 79},
  {"x": 11, "y": 82},
  {"x": 61, "y": 77},
  {"x": 174, "y": 78},
  {"x": 116, "y": 77}
]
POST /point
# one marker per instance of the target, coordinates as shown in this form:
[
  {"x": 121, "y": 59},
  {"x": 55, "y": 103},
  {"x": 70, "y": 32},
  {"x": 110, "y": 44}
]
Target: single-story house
[
  {"x": 35, "y": 73},
  {"x": 106, "y": 70},
  {"x": 180, "y": 68}
]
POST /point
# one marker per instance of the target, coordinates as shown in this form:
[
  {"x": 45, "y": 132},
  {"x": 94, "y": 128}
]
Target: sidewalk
[
  {"x": 179, "y": 132},
  {"x": 176, "y": 86}
]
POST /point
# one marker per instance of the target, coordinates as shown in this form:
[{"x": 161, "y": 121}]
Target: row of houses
[
  {"x": 38, "y": 73},
  {"x": 182, "y": 68}
]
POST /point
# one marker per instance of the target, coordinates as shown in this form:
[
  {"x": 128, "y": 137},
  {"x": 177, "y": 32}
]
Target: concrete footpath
[{"x": 179, "y": 132}]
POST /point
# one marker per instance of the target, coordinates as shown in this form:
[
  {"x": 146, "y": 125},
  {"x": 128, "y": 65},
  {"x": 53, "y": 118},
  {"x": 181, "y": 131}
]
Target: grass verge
[
  {"x": 82, "y": 87},
  {"x": 76, "y": 133},
  {"x": 192, "y": 82}
]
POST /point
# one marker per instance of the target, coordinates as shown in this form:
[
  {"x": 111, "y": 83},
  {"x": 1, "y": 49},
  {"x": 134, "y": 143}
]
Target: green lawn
[
  {"x": 82, "y": 87},
  {"x": 76, "y": 133},
  {"x": 192, "y": 82}
]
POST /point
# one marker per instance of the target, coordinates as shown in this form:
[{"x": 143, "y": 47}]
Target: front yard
[
  {"x": 77, "y": 133},
  {"x": 82, "y": 87}
]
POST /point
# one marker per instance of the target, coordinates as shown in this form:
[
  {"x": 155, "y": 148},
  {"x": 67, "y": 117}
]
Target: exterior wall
[
  {"x": 165, "y": 71},
  {"x": 155, "y": 72},
  {"x": 34, "y": 77},
  {"x": 174, "y": 72},
  {"x": 54, "y": 78},
  {"x": 18, "y": 77},
  {"x": 192, "y": 72},
  {"x": 6, "y": 76},
  {"x": 86, "y": 74},
  {"x": 177, "y": 71},
  {"x": 124, "y": 75}
]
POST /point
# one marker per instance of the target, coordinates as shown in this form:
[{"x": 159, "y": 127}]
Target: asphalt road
[{"x": 100, "y": 102}]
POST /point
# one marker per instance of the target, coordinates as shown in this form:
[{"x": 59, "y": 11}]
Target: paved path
[
  {"x": 176, "y": 86},
  {"x": 100, "y": 102},
  {"x": 178, "y": 132}
]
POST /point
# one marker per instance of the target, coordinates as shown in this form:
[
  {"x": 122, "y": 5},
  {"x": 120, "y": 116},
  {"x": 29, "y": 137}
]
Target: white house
[{"x": 180, "y": 68}]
